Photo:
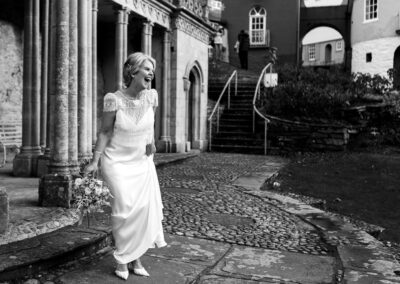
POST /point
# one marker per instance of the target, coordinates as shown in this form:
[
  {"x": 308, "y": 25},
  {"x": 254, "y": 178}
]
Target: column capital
[
  {"x": 118, "y": 8},
  {"x": 148, "y": 22}
]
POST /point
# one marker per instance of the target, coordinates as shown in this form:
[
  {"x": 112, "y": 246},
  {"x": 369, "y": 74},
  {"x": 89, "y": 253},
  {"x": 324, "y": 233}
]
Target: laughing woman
[{"x": 125, "y": 145}]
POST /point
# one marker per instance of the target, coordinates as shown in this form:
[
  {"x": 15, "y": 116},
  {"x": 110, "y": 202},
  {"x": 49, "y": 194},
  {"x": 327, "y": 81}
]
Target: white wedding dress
[{"x": 131, "y": 175}]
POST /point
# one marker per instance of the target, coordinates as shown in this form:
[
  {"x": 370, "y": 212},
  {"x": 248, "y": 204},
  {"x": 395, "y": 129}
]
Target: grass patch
[{"x": 364, "y": 186}]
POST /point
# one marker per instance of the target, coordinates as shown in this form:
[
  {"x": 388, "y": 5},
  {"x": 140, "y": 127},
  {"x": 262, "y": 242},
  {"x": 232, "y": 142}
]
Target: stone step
[
  {"x": 52, "y": 249},
  {"x": 236, "y": 121},
  {"x": 238, "y": 111},
  {"x": 233, "y": 115},
  {"x": 239, "y": 149},
  {"x": 235, "y": 133},
  {"x": 237, "y": 142}
]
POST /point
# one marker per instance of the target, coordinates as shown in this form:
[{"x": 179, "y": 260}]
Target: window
[
  {"x": 339, "y": 45},
  {"x": 371, "y": 10},
  {"x": 257, "y": 26},
  {"x": 311, "y": 52},
  {"x": 216, "y": 5},
  {"x": 368, "y": 57}
]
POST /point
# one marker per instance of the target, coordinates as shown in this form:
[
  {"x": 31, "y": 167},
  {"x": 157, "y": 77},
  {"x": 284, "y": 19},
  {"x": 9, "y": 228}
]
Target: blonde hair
[{"x": 132, "y": 65}]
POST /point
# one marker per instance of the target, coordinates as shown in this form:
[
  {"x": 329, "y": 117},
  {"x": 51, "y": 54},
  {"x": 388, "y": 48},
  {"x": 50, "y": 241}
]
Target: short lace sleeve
[
  {"x": 110, "y": 102},
  {"x": 154, "y": 97}
]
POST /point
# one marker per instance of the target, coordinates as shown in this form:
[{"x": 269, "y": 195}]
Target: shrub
[{"x": 320, "y": 93}]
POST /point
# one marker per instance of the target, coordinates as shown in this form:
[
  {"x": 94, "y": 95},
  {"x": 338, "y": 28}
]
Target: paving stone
[
  {"x": 160, "y": 270},
  {"x": 267, "y": 265}
]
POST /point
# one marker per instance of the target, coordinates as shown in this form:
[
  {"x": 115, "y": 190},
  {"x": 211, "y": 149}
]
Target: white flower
[
  {"x": 98, "y": 190},
  {"x": 276, "y": 184},
  {"x": 87, "y": 191},
  {"x": 78, "y": 181}
]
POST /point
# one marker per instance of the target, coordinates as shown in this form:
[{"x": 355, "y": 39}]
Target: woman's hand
[
  {"x": 150, "y": 149},
  {"x": 90, "y": 168}
]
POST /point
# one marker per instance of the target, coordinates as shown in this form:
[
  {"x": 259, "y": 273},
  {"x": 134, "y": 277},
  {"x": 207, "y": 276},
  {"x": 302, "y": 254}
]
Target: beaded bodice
[{"x": 135, "y": 108}]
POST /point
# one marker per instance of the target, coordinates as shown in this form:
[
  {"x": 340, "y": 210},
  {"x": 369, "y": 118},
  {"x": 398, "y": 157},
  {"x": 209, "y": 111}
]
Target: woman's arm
[
  {"x": 151, "y": 148},
  {"x": 103, "y": 138}
]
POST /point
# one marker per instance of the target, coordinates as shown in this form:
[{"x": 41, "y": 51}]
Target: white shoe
[
  {"x": 122, "y": 274},
  {"x": 141, "y": 272}
]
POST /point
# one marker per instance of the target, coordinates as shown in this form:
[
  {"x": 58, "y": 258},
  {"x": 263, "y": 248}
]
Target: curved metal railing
[
  {"x": 216, "y": 107},
  {"x": 255, "y": 110},
  {"x": 268, "y": 118}
]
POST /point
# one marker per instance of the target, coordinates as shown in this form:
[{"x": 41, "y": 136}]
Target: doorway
[
  {"x": 328, "y": 54},
  {"x": 396, "y": 69}
]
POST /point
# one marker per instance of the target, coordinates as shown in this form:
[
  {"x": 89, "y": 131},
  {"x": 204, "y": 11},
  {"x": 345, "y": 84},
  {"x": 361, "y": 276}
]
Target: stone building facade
[
  {"x": 323, "y": 53},
  {"x": 73, "y": 53},
  {"x": 270, "y": 23},
  {"x": 375, "y": 33}
]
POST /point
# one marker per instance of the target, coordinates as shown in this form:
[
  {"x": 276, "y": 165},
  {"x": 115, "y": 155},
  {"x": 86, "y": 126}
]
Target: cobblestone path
[{"x": 200, "y": 201}]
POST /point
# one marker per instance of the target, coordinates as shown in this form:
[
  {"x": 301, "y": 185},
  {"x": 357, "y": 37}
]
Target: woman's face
[{"x": 142, "y": 79}]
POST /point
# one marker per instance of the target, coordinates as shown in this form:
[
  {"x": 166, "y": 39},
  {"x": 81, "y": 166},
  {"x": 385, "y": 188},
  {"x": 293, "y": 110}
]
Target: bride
[{"x": 125, "y": 145}]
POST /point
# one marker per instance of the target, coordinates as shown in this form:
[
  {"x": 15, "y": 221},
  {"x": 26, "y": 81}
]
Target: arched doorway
[
  {"x": 396, "y": 69},
  {"x": 192, "y": 109},
  {"x": 328, "y": 54}
]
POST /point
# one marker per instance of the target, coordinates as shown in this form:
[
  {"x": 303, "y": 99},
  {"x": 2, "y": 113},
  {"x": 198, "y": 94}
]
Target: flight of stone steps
[{"x": 236, "y": 124}]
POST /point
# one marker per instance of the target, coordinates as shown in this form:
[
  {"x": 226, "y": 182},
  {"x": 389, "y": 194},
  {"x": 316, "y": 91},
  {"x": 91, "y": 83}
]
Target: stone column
[
  {"x": 82, "y": 79},
  {"x": 89, "y": 89},
  {"x": 44, "y": 67},
  {"x": 164, "y": 144},
  {"x": 43, "y": 160},
  {"x": 94, "y": 71},
  {"x": 147, "y": 33},
  {"x": 25, "y": 163},
  {"x": 55, "y": 188},
  {"x": 73, "y": 89},
  {"x": 120, "y": 33}
]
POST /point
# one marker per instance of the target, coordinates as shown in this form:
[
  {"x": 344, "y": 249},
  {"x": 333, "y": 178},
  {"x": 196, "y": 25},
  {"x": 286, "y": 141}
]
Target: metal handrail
[
  {"x": 267, "y": 118},
  {"x": 255, "y": 110},
  {"x": 216, "y": 107}
]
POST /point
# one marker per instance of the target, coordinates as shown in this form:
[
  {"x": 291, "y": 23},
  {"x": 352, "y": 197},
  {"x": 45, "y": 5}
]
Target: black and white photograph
[{"x": 200, "y": 141}]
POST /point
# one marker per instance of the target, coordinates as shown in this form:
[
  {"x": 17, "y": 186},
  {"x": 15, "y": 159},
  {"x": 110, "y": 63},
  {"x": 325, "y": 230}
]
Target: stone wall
[
  {"x": 382, "y": 57},
  {"x": 307, "y": 138},
  {"x": 190, "y": 53},
  {"x": 11, "y": 69}
]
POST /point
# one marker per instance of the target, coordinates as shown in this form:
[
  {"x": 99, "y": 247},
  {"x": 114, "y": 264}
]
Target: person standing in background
[
  {"x": 218, "y": 43},
  {"x": 244, "y": 44}
]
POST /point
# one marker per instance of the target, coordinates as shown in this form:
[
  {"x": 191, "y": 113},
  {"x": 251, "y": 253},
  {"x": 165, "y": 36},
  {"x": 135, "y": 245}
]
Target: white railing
[
  {"x": 216, "y": 107},
  {"x": 255, "y": 110}
]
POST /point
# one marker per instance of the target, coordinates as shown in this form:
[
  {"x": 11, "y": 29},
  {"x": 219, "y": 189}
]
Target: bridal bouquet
[{"x": 90, "y": 195}]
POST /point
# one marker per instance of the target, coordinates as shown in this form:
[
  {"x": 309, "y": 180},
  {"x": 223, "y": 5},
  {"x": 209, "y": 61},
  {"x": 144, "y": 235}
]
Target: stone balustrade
[{"x": 196, "y": 6}]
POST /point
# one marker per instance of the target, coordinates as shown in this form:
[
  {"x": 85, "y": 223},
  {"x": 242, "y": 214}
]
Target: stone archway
[
  {"x": 194, "y": 81},
  {"x": 396, "y": 69}
]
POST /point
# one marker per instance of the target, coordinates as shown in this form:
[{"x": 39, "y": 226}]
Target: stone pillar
[
  {"x": 43, "y": 160},
  {"x": 44, "y": 67},
  {"x": 55, "y": 188},
  {"x": 147, "y": 33},
  {"x": 120, "y": 34},
  {"x": 82, "y": 79},
  {"x": 25, "y": 163},
  {"x": 94, "y": 71},
  {"x": 89, "y": 90},
  {"x": 125, "y": 36},
  {"x": 73, "y": 89},
  {"x": 164, "y": 144},
  {"x": 4, "y": 210}
]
